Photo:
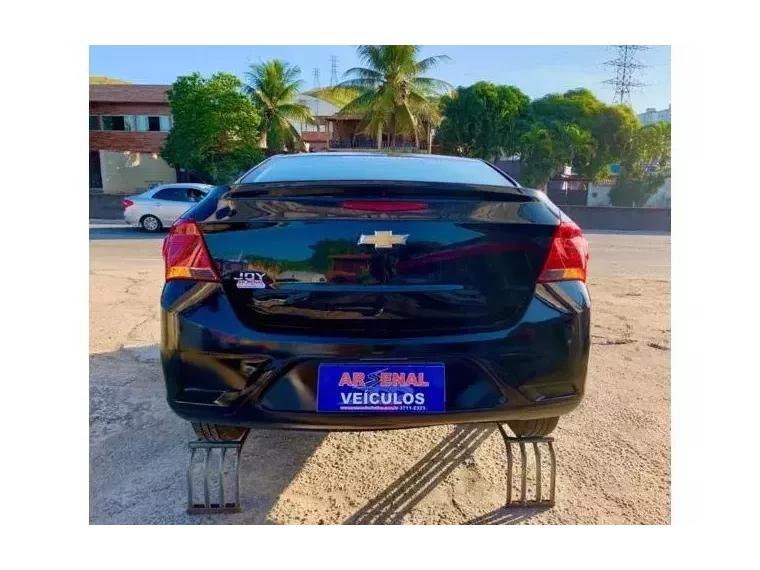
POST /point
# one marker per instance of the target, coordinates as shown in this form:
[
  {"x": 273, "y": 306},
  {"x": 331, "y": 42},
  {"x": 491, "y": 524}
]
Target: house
[
  {"x": 315, "y": 141},
  {"x": 315, "y": 136},
  {"x": 128, "y": 126},
  {"x": 336, "y": 131},
  {"x": 344, "y": 134}
]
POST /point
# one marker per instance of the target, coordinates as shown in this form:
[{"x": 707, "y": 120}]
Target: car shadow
[
  {"x": 126, "y": 232},
  {"x": 139, "y": 457},
  {"x": 400, "y": 497},
  {"x": 139, "y": 450},
  {"x": 511, "y": 515}
]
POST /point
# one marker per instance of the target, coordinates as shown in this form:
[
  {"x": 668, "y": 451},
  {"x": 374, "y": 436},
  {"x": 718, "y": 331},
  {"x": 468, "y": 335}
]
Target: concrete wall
[
  {"x": 599, "y": 195},
  {"x": 624, "y": 219},
  {"x": 661, "y": 198},
  {"x": 133, "y": 172},
  {"x": 106, "y": 206}
]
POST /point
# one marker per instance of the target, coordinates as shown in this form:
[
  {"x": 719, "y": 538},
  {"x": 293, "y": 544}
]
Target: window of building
[
  {"x": 118, "y": 123},
  {"x": 153, "y": 123},
  {"x": 94, "y": 123}
]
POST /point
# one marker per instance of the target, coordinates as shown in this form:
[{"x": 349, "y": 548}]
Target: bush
[{"x": 634, "y": 191}]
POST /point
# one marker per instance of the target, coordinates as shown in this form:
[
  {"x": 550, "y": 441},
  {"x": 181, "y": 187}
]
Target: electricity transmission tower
[
  {"x": 625, "y": 65},
  {"x": 316, "y": 86},
  {"x": 333, "y": 70}
]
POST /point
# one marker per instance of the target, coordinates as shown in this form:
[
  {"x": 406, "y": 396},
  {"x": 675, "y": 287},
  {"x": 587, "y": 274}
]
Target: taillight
[
  {"x": 185, "y": 253},
  {"x": 568, "y": 255},
  {"x": 128, "y": 202},
  {"x": 384, "y": 206}
]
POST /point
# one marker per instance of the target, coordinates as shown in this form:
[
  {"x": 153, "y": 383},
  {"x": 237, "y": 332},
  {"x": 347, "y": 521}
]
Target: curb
[{"x": 111, "y": 221}]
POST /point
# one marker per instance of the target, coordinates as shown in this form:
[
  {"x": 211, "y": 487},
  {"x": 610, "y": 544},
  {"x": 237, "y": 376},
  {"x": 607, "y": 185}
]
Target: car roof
[
  {"x": 300, "y": 155},
  {"x": 377, "y": 154},
  {"x": 195, "y": 185},
  {"x": 183, "y": 185}
]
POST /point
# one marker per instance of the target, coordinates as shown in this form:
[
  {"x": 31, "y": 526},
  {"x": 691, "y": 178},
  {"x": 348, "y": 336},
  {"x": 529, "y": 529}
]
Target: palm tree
[
  {"x": 272, "y": 86},
  {"x": 391, "y": 92},
  {"x": 578, "y": 142}
]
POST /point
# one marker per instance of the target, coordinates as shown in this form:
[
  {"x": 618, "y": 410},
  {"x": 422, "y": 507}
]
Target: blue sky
[{"x": 536, "y": 70}]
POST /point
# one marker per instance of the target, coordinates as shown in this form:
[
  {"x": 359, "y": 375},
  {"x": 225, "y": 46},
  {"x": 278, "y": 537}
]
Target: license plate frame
[{"x": 381, "y": 388}]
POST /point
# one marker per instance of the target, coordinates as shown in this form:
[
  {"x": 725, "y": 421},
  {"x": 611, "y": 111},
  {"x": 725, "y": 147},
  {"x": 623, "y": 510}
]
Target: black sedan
[{"x": 345, "y": 291}]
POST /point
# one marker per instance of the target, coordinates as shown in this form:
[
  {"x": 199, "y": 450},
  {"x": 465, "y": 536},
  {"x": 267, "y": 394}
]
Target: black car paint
[{"x": 224, "y": 366}]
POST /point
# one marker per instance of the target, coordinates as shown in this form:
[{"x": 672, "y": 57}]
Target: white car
[{"x": 160, "y": 206}]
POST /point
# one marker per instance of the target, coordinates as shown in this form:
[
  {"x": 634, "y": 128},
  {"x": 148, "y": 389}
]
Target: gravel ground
[{"x": 613, "y": 452}]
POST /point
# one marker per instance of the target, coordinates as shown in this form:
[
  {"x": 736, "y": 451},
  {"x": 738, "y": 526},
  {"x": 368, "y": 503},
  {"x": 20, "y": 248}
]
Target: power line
[
  {"x": 333, "y": 70},
  {"x": 625, "y": 66}
]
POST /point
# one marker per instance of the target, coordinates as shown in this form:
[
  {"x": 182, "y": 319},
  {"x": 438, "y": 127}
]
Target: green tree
[
  {"x": 649, "y": 149},
  {"x": 483, "y": 120},
  {"x": 575, "y": 129},
  {"x": 273, "y": 86},
  {"x": 612, "y": 128},
  {"x": 644, "y": 166},
  {"x": 391, "y": 92},
  {"x": 215, "y": 128},
  {"x": 543, "y": 154}
]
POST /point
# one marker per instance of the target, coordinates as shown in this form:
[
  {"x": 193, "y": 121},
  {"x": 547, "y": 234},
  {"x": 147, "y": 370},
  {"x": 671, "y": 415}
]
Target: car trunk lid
[{"x": 380, "y": 260}]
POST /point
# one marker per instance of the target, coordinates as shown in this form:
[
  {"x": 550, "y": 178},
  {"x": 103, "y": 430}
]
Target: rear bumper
[
  {"x": 132, "y": 217},
  {"x": 218, "y": 371}
]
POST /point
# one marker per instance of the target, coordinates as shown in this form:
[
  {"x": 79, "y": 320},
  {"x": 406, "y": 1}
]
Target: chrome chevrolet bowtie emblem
[{"x": 383, "y": 240}]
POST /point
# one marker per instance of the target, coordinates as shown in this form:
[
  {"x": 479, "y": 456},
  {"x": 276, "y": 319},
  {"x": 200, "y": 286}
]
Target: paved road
[{"x": 614, "y": 451}]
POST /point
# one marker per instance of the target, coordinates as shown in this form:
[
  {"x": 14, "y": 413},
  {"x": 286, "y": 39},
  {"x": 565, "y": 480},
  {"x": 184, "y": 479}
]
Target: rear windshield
[{"x": 305, "y": 168}]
